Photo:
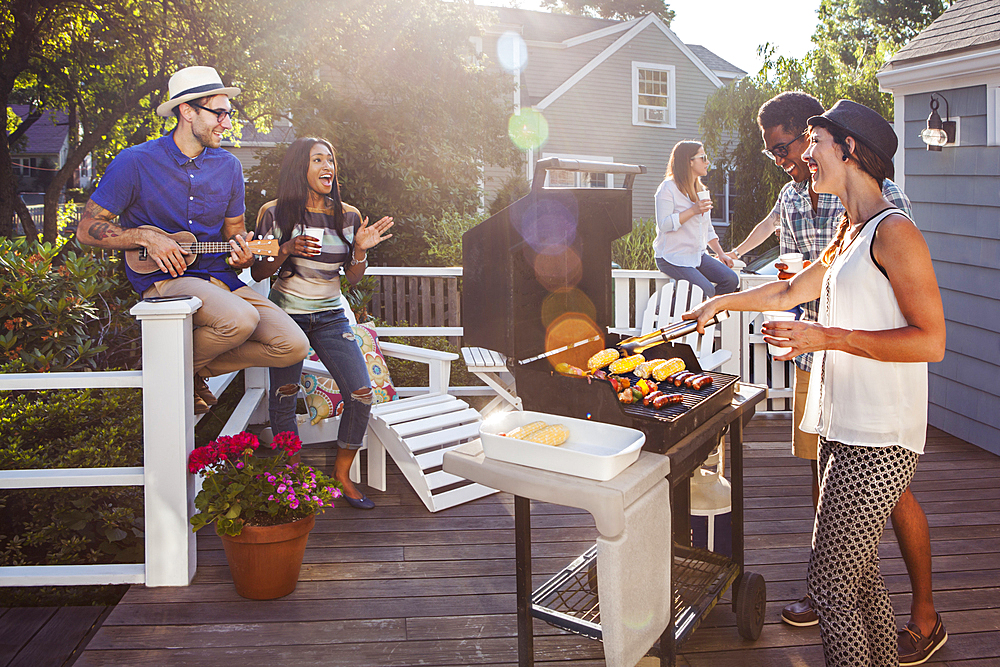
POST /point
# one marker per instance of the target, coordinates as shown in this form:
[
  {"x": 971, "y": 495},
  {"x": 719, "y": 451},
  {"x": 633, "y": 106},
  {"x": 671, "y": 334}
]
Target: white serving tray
[{"x": 594, "y": 450}]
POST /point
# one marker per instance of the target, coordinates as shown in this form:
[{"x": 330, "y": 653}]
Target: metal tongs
[
  {"x": 637, "y": 344},
  {"x": 677, "y": 330}
]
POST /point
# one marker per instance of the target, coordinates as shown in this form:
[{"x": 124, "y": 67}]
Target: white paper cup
[
  {"x": 315, "y": 232},
  {"x": 704, "y": 194},
  {"x": 793, "y": 260},
  {"x": 778, "y": 316}
]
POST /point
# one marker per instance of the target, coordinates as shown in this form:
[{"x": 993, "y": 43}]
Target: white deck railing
[
  {"x": 166, "y": 381},
  {"x": 168, "y": 421}
]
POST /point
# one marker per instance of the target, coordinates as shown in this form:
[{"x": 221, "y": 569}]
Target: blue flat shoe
[{"x": 362, "y": 503}]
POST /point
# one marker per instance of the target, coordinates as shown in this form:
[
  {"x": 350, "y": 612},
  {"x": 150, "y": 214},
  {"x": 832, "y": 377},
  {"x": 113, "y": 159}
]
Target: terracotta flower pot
[{"x": 265, "y": 560}]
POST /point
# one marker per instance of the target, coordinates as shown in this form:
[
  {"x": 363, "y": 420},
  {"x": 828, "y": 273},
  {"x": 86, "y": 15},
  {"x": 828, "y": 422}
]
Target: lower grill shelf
[{"x": 570, "y": 600}]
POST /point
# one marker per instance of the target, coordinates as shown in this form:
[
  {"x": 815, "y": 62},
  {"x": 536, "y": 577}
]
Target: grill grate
[{"x": 692, "y": 398}]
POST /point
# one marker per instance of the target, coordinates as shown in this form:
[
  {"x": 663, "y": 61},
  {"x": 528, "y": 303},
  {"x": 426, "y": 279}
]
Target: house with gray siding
[
  {"x": 614, "y": 91},
  {"x": 956, "y": 201}
]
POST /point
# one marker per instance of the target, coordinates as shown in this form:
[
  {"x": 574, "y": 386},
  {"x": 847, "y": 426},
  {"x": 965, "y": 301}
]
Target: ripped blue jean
[{"x": 331, "y": 337}]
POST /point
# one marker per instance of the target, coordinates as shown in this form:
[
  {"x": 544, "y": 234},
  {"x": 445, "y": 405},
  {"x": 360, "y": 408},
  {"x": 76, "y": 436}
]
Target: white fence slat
[
  {"x": 71, "y": 380},
  {"x": 72, "y": 575},
  {"x": 70, "y": 477}
]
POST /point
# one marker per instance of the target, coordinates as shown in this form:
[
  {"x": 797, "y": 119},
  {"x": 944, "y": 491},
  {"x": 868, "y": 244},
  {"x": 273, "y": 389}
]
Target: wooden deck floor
[{"x": 401, "y": 586}]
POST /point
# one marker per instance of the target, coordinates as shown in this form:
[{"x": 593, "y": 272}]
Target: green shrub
[
  {"x": 89, "y": 428},
  {"x": 60, "y": 310},
  {"x": 444, "y": 239},
  {"x": 635, "y": 250}
]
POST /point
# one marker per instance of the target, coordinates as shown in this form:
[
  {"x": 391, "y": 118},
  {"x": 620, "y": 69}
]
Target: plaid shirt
[{"x": 808, "y": 232}]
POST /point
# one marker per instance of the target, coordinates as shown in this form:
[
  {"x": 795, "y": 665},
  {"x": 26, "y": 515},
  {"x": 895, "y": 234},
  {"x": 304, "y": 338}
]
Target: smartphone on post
[{"x": 162, "y": 299}]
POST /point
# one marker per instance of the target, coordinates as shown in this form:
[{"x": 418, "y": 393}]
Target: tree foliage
[
  {"x": 622, "y": 10},
  {"x": 410, "y": 146},
  {"x": 107, "y": 63},
  {"x": 853, "y": 40}
]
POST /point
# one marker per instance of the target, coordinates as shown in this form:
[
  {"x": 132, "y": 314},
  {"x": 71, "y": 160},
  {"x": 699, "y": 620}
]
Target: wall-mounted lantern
[{"x": 938, "y": 132}]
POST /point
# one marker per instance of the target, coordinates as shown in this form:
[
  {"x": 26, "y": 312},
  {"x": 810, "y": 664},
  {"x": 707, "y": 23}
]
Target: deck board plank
[{"x": 401, "y": 586}]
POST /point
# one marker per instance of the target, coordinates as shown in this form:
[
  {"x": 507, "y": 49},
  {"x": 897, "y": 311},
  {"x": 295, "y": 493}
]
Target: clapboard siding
[
  {"x": 964, "y": 219},
  {"x": 595, "y": 116},
  {"x": 956, "y": 203},
  {"x": 957, "y": 190}
]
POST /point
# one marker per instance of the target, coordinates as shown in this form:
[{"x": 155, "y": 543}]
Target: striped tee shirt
[{"x": 311, "y": 284}]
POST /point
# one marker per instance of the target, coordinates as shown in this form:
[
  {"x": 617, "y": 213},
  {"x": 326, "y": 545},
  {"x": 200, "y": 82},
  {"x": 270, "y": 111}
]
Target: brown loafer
[
  {"x": 200, "y": 406},
  {"x": 914, "y": 648},
  {"x": 202, "y": 391},
  {"x": 800, "y": 614}
]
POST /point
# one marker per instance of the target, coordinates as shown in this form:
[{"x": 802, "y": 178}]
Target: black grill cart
[{"x": 537, "y": 276}]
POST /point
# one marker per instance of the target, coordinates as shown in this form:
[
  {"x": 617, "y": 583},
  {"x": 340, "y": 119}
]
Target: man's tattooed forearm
[{"x": 102, "y": 230}]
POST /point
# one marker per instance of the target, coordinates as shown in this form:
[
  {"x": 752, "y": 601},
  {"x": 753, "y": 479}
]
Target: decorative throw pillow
[{"x": 322, "y": 395}]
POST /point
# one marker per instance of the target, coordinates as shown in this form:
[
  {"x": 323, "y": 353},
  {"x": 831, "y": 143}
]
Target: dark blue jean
[
  {"x": 712, "y": 276},
  {"x": 331, "y": 337}
]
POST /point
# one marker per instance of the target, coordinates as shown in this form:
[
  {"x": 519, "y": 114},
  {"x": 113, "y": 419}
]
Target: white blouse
[
  {"x": 681, "y": 245},
  {"x": 853, "y": 399}
]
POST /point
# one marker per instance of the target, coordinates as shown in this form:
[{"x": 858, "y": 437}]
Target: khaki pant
[
  {"x": 236, "y": 330},
  {"x": 804, "y": 445}
]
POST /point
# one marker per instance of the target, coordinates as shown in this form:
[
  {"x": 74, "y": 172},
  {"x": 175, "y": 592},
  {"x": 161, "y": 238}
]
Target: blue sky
[{"x": 733, "y": 29}]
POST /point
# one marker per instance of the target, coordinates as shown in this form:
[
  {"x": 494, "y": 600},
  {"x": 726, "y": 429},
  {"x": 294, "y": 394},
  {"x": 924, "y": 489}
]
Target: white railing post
[
  {"x": 257, "y": 378},
  {"x": 168, "y": 438}
]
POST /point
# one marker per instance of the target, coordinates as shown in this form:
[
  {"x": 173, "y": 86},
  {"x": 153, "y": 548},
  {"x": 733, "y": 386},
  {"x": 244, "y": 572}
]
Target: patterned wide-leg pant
[{"x": 859, "y": 487}]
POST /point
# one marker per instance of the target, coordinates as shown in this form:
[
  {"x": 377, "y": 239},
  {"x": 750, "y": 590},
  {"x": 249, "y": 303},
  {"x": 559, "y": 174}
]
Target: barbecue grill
[{"x": 537, "y": 277}]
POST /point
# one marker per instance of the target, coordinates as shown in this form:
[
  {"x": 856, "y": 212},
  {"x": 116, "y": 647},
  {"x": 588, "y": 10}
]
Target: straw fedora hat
[{"x": 191, "y": 83}]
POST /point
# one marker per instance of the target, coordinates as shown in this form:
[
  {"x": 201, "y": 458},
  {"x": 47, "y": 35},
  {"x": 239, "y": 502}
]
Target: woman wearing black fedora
[{"x": 880, "y": 322}]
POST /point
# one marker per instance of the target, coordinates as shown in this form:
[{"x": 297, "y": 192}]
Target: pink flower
[
  {"x": 288, "y": 442},
  {"x": 239, "y": 465},
  {"x": 281, "y": 488}
]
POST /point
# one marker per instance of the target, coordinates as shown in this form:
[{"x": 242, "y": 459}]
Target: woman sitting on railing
[
  {"x": 319, "y": 234},
  {"x": 880, "y": 322},
  {"x": 684, "y": 231}
]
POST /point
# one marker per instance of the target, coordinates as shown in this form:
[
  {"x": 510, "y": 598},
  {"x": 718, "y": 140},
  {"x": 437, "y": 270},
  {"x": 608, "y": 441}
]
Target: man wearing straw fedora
[{"x": 183, "y": 181}]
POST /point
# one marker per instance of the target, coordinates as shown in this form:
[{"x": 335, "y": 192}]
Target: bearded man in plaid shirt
[{"x": 806, "y": 222}]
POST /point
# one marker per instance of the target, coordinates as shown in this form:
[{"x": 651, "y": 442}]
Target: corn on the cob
[
  {"x": 522, "y": 432},
  {"x": 554, "y": 435},
  {"x": 650, "y": 367},
  {"x": 645, "y": 369},
  {"x": 626, "y": 364},
  {"x": 672, "y": 366},
  {"x": 602, "y": 359}
]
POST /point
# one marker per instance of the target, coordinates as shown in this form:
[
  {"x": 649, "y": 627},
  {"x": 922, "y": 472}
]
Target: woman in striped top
[{"x": 308, "y": 289}]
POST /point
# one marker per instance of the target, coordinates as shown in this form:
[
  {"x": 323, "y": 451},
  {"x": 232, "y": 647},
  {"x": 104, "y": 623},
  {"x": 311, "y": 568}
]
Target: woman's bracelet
[{"x": 359, "y": 261}]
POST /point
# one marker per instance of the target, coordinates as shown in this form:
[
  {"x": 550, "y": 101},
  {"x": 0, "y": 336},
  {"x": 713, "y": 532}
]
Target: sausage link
[
  {"x": 650, "y": 397},
  {"x": 702, "y": 382},
  {"x": 667, "y": 399}
]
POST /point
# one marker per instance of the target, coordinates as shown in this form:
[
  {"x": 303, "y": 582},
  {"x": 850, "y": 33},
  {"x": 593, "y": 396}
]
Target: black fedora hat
[{"x": 865, "y": 124}]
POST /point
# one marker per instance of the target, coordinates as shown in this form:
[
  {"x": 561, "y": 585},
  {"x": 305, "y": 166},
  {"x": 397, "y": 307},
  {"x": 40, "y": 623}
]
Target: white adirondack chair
[
  {"x": 491, "y": 367},
  {"x": 667, "y": 306},
  {"x": 416, "y": 431}
]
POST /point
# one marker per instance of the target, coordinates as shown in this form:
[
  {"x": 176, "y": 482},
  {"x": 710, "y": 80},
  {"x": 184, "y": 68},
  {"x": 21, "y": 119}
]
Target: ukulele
[{"x": 139, "y": 260}]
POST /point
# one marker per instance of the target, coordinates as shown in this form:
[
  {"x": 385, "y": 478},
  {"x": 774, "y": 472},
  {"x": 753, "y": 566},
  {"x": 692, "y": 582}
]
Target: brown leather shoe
[
  {"x": 914, "y": 648},
  {"x": 200, "y": 406},
  {"x": 202, "y": 391},
  {"x": 800, "y": 614}
]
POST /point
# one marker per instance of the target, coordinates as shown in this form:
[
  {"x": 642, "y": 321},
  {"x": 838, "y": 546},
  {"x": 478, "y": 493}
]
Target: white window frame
[
  {"x": 610, "y": 182},
  {"x": 637, "y": 109}
]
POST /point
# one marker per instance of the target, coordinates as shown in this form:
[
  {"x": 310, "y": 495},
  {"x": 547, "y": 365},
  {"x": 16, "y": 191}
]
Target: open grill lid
[{"x": 544, "y": 262}]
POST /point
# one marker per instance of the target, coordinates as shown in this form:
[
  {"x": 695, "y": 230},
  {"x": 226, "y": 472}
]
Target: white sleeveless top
[{"x": 852, "y": 399}]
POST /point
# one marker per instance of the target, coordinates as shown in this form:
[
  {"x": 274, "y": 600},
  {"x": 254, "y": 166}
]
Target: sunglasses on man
[{"x": 780, "y": 151}]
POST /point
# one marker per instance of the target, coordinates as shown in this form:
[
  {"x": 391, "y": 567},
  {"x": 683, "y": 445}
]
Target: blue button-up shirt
[{"x": 156, "y": 184}]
